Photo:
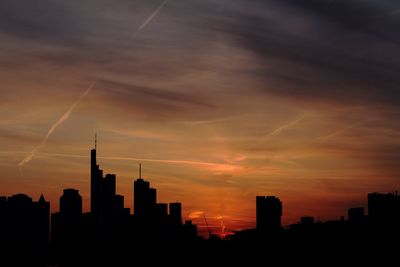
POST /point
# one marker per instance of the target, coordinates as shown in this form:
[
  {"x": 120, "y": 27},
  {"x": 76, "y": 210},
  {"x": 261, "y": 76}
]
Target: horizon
[
  {"x": 221, "y": 101},
  {"x": 216, "y": 225}
]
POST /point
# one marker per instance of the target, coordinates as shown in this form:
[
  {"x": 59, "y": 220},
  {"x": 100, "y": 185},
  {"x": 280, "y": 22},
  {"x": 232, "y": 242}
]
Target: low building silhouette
[
  {"x": 307, "y": 220},
  {"x": 384, "y": 209},
  {"x": 25, "y": 222},
  {"x": 356, "y": 215},
  {"x": 190, "y": 230},
  {"x": 268, "y": 214}
]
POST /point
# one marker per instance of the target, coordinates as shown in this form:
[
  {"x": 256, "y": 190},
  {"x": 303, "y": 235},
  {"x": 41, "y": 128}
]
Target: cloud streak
[
  {"x": 354, "y": 59},
  {"x": 339, "y": 132},
  {"x": 152, "y": 16},
  {"x": 212, "y": 81},
  {"x": 153, "y": 102},
  {"x": 284, "y": 127},
  {"x": 212, "y": 165},
  {"x": 59, "y": 122}
]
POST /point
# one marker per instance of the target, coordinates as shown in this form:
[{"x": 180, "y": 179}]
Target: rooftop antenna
[
  {"x": 95, "y": 141},
  {"x": 140, "y": 170}
]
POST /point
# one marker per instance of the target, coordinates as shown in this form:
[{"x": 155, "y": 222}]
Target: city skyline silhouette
[
  {"x": 216, "y": 224},
  {"x": 245, "y": 130},
  {"x": 72, "y": 237}
]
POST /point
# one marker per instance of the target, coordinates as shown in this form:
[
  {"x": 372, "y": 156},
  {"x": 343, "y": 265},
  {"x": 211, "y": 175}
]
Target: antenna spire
[
  {"x": 95, "y": 141},
  {"x": 140, "y": 170}
]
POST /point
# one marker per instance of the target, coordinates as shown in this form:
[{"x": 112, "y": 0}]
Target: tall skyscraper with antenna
[
  {"x": 106, "y": 207},
  {"x": 102, "y": 188},
  {"x": 145, "y": 199},
  {"x": 96, "y": 175}
]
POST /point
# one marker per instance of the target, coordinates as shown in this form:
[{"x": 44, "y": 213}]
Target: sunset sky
[{"x": 220, "y": 100}]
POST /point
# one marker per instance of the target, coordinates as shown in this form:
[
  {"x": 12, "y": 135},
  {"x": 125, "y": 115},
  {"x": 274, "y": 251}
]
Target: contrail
[
  {"x": 152, "y": 16},
  {"x": 172, "y": 161},
  {"x": 216, "y": 120},
  {"x": 339, "y": 132},
  {"x": 68, "y": 113},
  {"x": 55, "y": 126},
  {"x": 284, "y": 127},
  {"x": 166, "y": 161}
]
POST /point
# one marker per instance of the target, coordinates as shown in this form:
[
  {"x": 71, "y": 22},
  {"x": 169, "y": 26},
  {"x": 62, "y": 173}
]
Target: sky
[{"x": 220, "y": 100}]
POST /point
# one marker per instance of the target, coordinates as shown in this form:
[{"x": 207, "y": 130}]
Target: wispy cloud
[
  {"x": 297, "y": 66},
  {"x": 207, "y": 97},
  {"x": 153, "y": 102},
  {"x": 196, "y": 215}
]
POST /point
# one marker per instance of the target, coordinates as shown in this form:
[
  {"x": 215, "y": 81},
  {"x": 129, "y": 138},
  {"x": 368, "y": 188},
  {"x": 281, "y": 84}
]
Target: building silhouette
[
  {"x": 67, "y": 224},
  {"x": 110, "y": 234},
  {"x": 24, "y": 222},
  {"x": 356, "y": 215},
  {"x": 190, "y": 230},
  {"x": 145, "y": 199},
  {"x": 384, "y": 209},
  {"x": 307, "y": 220},
  {"x": 268, "y": 214},
  {"x": 108, "y": 214},
  {"x": 71, "y": 203},
  {"x": 161, "y": 213},
  {"x": 103, "y": 196},
  {"x": 96, "y": 175},
  {"x": 175, "y": 213},
  {"x": 152, "y": 219}
]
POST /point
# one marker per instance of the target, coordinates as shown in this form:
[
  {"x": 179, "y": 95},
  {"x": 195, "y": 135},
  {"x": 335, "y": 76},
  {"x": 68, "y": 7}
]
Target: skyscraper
[
  {"x": 71, "y": 203},
  {"x": 145, "y": 199},
  {"x": 96, "y": 174},
  {"x": 103, "y": 198},
  {"x": 107, "y": 208},
  {"x": 269, "y": 214},
  {"x": 175, "y": 213}
]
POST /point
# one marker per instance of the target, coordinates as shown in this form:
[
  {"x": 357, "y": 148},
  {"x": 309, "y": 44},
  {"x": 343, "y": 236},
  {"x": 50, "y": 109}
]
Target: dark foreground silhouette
[{"x": 109, "y": 235}]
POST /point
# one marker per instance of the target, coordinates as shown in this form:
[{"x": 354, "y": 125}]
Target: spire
[
  {"x": 140, "y": 170},
  {"x": 41, "y": 199},
  {"x": 95, "y": 141}
]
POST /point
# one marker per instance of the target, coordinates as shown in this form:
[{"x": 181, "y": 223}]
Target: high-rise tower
[
  {"x": 96, "y": 175},
  {"x": 145, "y": 199}
]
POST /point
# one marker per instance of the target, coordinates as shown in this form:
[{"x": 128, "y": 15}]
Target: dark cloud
[
  {"x": 323, "y": 50},
  {"x": 103, "y": 35},
  {"x": 151, "y": 102},
  {"x": 42, "y": 20},
  {"x": 345, "y": 51}
]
